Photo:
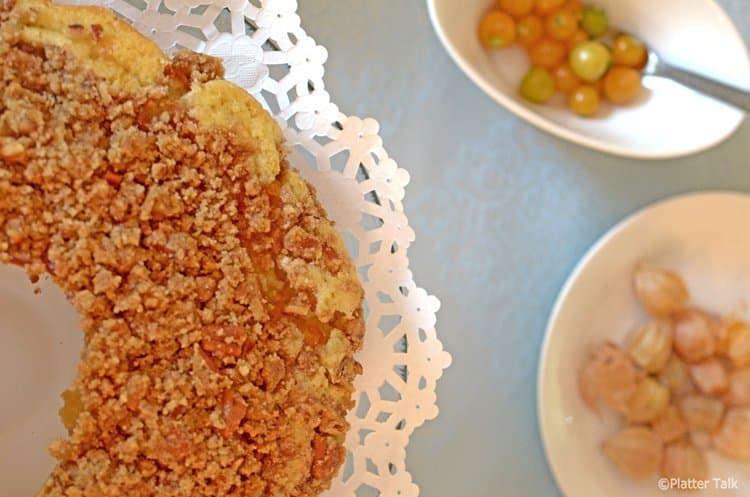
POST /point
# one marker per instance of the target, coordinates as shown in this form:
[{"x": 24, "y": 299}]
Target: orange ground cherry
[
  {"x": 579, "y": 37},
  {"x": 574, "y": 6},
  {"x": 546, "y": 7},
  {"x": 497, "y": 30},
  {"x": 561, "y": 25},
  {"x": 565, "y": 79},
  {"x": 622, "y": 84},
  {"x": 516, "y": 8},
  {"x": 530, "y": 30},
  {"x": 628, "y": 51},
  {"x": 584, "y": 101},
  {"x": 547, "y": 53}
]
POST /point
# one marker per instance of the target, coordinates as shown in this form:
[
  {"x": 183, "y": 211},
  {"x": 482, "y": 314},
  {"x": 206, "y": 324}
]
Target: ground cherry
[
  {"x": 684, "y": 462},
  {"x": 584, "y": 101},
  {"x": 594, "y": 21},
  {"x": 670, "y": 426},
  {"x": 737, "y": 343},
  {"x": 650, "y": 346},
  {"x": 565, "y": 79},
  {"x": 733, "y": 439},
  {"x": 590, "y": 60},
  {"x": 537, "y": 86},
  {"x": 579, "y": 37},
  {"x": 636, "y": 451},
  {"x": 516, "y": 8},
  {"x": 599, "y": 86},
  {"x": 660, "y": 291},
  {"x": 622, "y": 84},
  {"x": 561, "y": 25},
  {"x": 628, "y": 51},
  {"x": 497, "y": 30},
  {"x": 530, "y": 30},
  {"x": 694, "y": 330},
  {"x": 547, "y": 53},
  {"x": 546, "y": 7},
  {"x": 610, "y": 376},
  {"x": 574, "y": 6},
  {"x": 710, "y": 376}
]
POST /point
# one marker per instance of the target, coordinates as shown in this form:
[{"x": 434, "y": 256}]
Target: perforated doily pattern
[{"x": 266, "y": 51}]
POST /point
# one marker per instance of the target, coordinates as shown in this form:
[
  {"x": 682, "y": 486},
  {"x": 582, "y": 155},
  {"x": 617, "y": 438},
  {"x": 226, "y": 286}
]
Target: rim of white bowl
[
  {"x": 561, "y": 131},
  {"x": 573, "y": 279}
]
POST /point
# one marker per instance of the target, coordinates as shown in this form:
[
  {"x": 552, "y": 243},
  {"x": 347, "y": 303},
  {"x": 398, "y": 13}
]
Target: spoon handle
[{"x": 725, "y": 93}]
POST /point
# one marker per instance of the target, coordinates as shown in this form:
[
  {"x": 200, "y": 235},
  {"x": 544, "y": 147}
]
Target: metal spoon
[{"x": 720, "y": 91}]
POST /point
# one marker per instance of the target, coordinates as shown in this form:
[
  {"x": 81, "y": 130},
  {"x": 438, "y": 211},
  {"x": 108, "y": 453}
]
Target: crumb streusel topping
[{"x": 219, "y": 306}]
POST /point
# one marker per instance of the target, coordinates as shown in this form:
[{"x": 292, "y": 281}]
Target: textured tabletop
[{"x": 502, "y": 213}]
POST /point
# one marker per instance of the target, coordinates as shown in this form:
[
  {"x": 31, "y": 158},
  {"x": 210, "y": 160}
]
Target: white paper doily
[{"x": 266, "y": 51}]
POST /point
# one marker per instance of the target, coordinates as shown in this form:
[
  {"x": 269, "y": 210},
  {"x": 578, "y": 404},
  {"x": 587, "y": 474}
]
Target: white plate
[
  {"x": 39, "y": 347},
  {"x": 669, "y": 121},
  {"x": 283, "y": 67},
  {"x": 704, "y": 236}
]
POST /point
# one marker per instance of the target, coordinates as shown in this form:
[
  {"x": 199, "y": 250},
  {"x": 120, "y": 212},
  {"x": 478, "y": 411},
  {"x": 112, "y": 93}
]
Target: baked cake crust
[{"x": 219, "y": 307}]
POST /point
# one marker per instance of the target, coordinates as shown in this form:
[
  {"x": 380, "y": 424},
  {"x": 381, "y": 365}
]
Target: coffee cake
[{"x": 219, "y": 306}]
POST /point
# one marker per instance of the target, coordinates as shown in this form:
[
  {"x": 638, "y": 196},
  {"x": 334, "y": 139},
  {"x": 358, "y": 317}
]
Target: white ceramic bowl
[
  {"x": 706, "y": 238},
  {"x": 668, "y": 121}
]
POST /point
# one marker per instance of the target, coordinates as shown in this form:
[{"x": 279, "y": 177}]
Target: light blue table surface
[{"x": 502, "y": 213}]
